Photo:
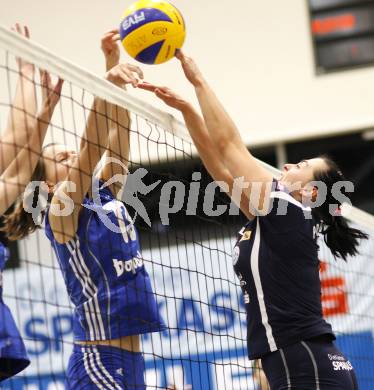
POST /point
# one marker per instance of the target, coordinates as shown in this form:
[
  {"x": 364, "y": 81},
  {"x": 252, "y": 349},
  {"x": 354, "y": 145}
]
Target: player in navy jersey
[
  {"x": 97, "y": 245},
  {"x": 20, "y": 142},
  {"x": 276, "y": 255}
]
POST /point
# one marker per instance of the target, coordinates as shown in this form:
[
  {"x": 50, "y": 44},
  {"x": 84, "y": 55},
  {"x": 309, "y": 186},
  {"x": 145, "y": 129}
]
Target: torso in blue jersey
[
  {"x": 4, "y": 255},
  {"x": 105, "y": 275},
  {"x": 276, "y": 260},
  {"x": 13, "y": 356}
]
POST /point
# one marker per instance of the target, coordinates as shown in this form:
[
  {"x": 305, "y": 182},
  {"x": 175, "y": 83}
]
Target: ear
[
  {"x": 314, "y": 194},
  {"x": 309, "y": 193}
]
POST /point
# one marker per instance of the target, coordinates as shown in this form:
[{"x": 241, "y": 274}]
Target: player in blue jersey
[
  {"x": 276, "y": 255},
  {"x": 97, "y": 245},
  {"x": 20, "y": 149}
]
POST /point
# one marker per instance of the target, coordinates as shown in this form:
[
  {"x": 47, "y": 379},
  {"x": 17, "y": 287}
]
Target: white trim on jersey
[
  {"x": 286, "y": 368},
  {"x": 86, "y": 307},
  {"x": 88, "y": 368},
  {"x": 89, "y": 290},
  {"x": 314, "y": 364},
  {"x": 96, "y": 302},
  {"x": 104, "y": 278},
  {"x": 260, "y": 293},
  {"x": 288, "y": 198},
  {"x": 104, "y": 370}
]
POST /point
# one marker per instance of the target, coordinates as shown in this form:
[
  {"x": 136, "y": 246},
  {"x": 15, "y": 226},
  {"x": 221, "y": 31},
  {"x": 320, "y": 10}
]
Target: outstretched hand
[
  {"x": 190, "y": 69},
  {"x": 25, "y": 32},
  {"x": 110, "y": 48},
  {"x": 51, "y": 93},
  {"x": 167, "y": 95},
  {"x": 123, "y": 74}
]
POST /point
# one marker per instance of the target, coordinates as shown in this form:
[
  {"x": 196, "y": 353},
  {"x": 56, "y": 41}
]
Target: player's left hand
[
  {"x": 110, "y": 48},
  {"x": 167, "y": 95}
]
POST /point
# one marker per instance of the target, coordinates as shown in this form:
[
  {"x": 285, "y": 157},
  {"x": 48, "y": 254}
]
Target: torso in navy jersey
[
  {"x": 105, "y": 276},
  {"x": 276, "y": 260}
]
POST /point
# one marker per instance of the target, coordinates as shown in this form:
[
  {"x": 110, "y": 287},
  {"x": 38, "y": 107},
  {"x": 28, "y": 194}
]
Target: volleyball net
[{"x": 186, "y": 228}]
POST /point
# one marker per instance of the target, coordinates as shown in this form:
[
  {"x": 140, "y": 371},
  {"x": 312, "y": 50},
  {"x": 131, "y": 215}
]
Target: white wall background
[{"x": 256, "y": 54}]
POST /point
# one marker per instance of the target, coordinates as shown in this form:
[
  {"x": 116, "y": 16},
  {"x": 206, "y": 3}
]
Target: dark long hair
[
  {"x": 18, "y": 223},
  {"x": 342, "y": 239}
]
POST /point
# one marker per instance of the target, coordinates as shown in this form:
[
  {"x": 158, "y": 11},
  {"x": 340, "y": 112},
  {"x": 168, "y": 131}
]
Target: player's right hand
[
  {"x": 190, "y": 69},
  {"x": 22, "y": 64}
]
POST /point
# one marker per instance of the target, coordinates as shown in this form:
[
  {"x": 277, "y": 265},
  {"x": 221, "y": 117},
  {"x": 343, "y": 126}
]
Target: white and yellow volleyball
[{"x": 152, "y": 30}]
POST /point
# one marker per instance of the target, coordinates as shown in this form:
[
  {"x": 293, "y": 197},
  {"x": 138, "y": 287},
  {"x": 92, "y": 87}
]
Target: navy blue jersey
[
  {"x": 104, "y": 274},
  {"x": 276, "y": 260},
  {"x": 13, "y": 356}
]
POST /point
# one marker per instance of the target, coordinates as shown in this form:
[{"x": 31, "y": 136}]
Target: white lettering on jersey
[
  {"x": 132, "y": 20},
  {"x": 131, "y": 265},
  {"x": 128, "y": 231},
  {"x": 243, "y": 283},
  {"x": 347, "y": 366},
  {"x": 235, "y": 255},
  {"x": 119, "y": 371}
]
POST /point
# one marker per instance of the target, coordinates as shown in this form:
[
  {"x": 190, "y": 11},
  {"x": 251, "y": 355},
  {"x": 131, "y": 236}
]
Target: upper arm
[
  {"x": 240, "y": 163},
  {"x": 68, "y": 197},
  {"x": 116, "y": 158}
]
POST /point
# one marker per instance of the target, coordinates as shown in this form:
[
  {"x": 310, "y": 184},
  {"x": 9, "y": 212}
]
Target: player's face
[
  {"x": 302, "y": 172},
  {"x": 58, "y": 160}
]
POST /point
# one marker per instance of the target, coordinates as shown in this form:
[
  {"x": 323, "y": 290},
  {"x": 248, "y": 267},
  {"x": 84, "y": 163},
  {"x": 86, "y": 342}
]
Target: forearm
[
  {"x": 204, "y": 144},
  {"x": 19, "y": 172},
  {"x": 119, "y": 136},
  {"x": 221, "y": 127},
  {"x": 21, "y": 117},
  {"x": 97, "y": 126},
  {"x": 211, "y": 157}
]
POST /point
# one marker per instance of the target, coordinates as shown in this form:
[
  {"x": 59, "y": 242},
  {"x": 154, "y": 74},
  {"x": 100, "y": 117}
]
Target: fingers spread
[
  {"x": 58, "y": 87},
  {"x": 128, "y": 77},
  {"x": 136, "y": 69}
]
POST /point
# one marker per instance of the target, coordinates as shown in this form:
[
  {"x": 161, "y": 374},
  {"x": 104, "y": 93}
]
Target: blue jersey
[
  {"x": 13, "y": 356},
  {"x": 276, "y": 260},
  {"x": 104, "y": 273}
]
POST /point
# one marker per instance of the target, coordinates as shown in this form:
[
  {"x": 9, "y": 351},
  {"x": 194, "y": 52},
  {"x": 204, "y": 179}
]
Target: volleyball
[{"x": 151, "y": 31}]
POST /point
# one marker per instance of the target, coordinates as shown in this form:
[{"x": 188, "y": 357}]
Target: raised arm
[
  {"x": 22, "y": 113},
  {"x": 18, "y": 173},
  {"x": 119, "y": 136},
  {"x": 236, "y": 157},
  {"x": 203, "y": 142},
  {"x": 77, "y": 183}
]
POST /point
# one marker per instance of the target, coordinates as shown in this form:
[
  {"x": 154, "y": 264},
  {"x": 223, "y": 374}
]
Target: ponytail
[{"x": 342, "y": 240}]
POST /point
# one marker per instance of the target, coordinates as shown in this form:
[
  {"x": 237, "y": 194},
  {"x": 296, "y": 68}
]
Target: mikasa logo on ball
[
  {"x": 160, "y": 31},
  {"x": 134, "y": 19}
]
